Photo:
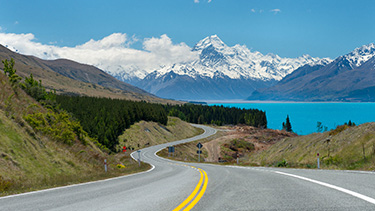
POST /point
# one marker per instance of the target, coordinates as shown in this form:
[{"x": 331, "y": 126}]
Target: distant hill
[
  {"x": 348, "y": 78},
  {"x": 73, "y": 78}
]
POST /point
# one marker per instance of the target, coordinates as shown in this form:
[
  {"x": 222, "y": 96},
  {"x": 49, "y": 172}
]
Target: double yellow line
[{"x": 196, "y": 195}]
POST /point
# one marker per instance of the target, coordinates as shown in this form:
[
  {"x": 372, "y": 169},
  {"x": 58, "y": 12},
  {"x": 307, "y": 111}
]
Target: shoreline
[{"x": 268, "y": 102}]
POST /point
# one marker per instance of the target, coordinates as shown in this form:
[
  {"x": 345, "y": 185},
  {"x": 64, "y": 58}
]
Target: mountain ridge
[
  {"x": 339, "y": 80},
  {"x": 73, "y": 78},
  {"x": 217, "y": 69}
]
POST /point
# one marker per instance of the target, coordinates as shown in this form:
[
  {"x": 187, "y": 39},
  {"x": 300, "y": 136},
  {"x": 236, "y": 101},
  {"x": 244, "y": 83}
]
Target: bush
[
  {"x": 120, "y": 166},
  {"x": 282, "y": 163},
  {"x": 338, "y": 130},
  {"x": 58, "y": 126},
  {"x": 5, "y": 184}
]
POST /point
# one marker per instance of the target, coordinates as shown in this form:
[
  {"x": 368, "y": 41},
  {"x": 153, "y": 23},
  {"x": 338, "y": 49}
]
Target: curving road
[{"x": 170, "y": 185}]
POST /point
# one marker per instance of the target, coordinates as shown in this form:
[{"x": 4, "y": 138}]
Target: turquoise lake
[{"x": 304, "y": 116}]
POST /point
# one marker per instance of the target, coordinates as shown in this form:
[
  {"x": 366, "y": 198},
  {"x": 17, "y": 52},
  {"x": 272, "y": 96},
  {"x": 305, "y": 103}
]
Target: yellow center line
[
  {"x": 199, "y": 196},
  {"x": 203, "y": 179},
  {"x": 192, "y": 195}
]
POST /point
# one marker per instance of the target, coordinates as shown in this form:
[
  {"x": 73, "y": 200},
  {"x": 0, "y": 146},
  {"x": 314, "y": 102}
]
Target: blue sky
[{"x": 289, "y": 28}]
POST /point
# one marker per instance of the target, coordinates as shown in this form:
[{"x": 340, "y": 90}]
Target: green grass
[
  {"x": 187, "y": 152},
  {"x": 31, "y": 160},
  {"x": 343, "y": 151},
  {"x": 144, "y": 134}
]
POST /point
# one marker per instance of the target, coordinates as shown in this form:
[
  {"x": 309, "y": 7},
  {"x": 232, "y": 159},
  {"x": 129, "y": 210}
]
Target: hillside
[
  {"x": 347, "y": 148},
  {"x": 229, "y": 142},
  {"x": 41, "y": 148},
  {"x": 143, "y": 134},
  {"x": 343, "y": 148},
  {"x": 68, "y": 77}
]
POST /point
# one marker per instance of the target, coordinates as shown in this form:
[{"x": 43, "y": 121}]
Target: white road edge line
[
  {"x": 87, "y": 183},
  {"x": 80, "y": 184},
  {"x": 355, "y": 194}
]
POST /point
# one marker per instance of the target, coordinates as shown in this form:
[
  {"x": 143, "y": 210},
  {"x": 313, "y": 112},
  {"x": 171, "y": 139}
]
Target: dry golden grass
[
  {"x": 42, "y": 70},
  {"x": 143, "y": 134},
  {"x": 344, "y": 150},
  {"x": 31, "y": 161}
]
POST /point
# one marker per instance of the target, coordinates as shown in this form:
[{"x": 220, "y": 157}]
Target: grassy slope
[
  {"x": 221, "y": 145},
  {"x": 62, "y": 84},
  {"x": 30, "y": 161},
  {"x": 188, "y": 152},
  {"x": 345, "y": 148},
  {"x": 151, "y": 133}
]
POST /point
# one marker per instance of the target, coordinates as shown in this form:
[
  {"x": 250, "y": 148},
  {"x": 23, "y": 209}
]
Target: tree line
[
  {"x": 106, "y": 119},
  {"x": 219, "y": 115}
]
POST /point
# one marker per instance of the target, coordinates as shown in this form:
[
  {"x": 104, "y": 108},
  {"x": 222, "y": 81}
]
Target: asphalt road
[{"x": 209, "y": 187}]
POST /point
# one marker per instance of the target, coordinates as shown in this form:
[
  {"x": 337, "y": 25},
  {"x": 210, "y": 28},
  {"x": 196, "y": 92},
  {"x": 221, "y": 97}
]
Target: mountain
[
  {"x": 70, "y": 77},
  {"x": 348, "y": 78},
  {"x": 218, "y": 72}
]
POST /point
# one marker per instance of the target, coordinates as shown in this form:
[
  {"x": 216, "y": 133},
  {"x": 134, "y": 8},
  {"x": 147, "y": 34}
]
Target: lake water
[{"x": 304, "y": 116}]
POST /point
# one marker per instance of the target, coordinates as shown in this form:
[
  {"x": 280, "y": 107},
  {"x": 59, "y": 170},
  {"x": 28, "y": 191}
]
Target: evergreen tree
[
  {"x": 286, "y": 125},
  {"x": 10, "y": 71}
]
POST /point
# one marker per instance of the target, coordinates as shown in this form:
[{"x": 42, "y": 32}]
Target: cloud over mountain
[{"x": 113, "y": 51}]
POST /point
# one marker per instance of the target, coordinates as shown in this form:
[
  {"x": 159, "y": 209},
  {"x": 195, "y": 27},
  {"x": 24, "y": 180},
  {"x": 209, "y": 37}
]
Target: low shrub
[
  {"x": 5, "y": 184},
  {"x": 282, "y": 163},
  {"x": 120, "y": 166}
]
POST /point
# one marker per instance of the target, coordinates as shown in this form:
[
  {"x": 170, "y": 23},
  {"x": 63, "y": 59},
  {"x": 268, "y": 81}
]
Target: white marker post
[
  {"x": 318, "y": 161},
  {"x": 139, "y": 157},
  {"x": 105, "y": 165}
]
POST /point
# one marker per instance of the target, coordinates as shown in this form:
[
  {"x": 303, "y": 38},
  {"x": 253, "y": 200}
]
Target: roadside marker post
[
  {"x": 318, "y": 160},
  {"x": 238, "y": 161},
  {"x": 139, "y": 157},
  {"x": 171, "y": 150},
  {"x": 105, "y": 165},
  {"x": 199, "y": 151}
]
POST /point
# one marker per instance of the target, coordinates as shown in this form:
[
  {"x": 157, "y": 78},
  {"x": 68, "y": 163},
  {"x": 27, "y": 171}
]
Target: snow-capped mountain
[
  {"x": 236, "y": 62},
  {"x": 219, "y": 72},
  {"x": 360, "y": 55},
  {"x": 350, "y": 77}
]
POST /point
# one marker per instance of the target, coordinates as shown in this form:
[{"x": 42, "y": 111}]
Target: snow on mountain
[
  {"x": 360, "y": 55},
  {"x": 348, "y": 78},
  {"x": 236, "y": 62}
]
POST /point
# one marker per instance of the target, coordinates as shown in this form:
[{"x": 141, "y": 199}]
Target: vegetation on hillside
[
  {"x": 43, "y": 146},
  {"x": 106, "y": 119},
  {"x": 144, "y": 134},
  {"x": 346, "y": 147}
]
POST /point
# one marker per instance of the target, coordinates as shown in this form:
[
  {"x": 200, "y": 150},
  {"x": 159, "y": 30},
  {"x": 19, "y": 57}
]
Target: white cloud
[
  {"x": 16, "y": 22},
  {"x": 1, "y": 28},
  {"x": 112, "y": 53},
  {"x": 275, "y": 11},
  {"x": 253, "y": 10},
  {"x": 197, "y": 1}
]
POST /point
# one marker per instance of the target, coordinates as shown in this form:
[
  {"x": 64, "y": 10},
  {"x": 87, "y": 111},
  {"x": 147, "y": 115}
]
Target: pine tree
[{"x": 286, "y": 125}]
